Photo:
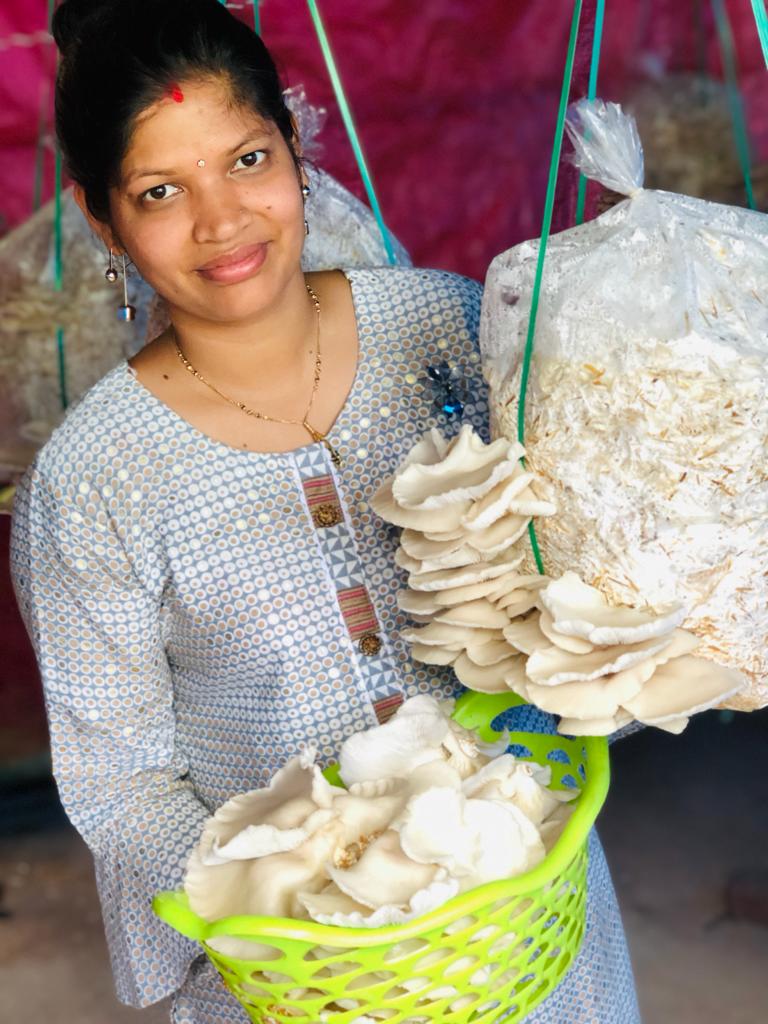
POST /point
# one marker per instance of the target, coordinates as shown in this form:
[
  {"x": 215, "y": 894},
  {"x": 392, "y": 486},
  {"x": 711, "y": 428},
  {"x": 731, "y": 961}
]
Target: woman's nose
[{"x": 219, "y": 216}]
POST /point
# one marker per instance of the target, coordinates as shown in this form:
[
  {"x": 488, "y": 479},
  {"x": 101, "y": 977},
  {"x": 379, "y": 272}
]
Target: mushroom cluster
[
  {"x": 600, "y": 666},
  {"x": 430, "y": 811},
  {"x": 559, "y": 644},
  {"x": 462, "y": 505}
]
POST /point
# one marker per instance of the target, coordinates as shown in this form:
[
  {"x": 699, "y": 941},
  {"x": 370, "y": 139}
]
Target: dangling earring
[
  {"x": 305, "y": 194},
  {"x": 126, "y": 311},
  {"x": 111, "y": 272}
]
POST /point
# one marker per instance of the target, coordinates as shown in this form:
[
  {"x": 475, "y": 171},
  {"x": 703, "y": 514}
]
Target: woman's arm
[{"x": 93, "y": 614}]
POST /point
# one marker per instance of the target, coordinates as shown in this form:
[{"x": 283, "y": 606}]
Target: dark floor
[{"x": 685, "y": 816}]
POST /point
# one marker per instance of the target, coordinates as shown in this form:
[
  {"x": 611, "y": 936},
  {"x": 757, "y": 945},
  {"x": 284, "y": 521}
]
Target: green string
[
  {"x": 545, "y": 230},
  {"x": 725, "y": 35},
  {"x": 58, "y": 271},
  {"x": 58, "y": 254},
  {"x": 761, "y": 20},
  {"x": 349, "y": 124},
  {"x": 256, "y": 17},
  {"x": 597, "y": 40}
]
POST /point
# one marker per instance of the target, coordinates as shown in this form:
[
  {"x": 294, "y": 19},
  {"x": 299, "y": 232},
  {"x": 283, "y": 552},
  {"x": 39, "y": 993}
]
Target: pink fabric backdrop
[{"x": 455, "y": 101}]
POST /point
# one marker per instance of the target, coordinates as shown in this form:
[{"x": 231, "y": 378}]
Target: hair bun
[{"x": 73, "y": 19}]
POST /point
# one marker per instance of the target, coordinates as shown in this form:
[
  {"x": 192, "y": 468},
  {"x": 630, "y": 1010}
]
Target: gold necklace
[{"x": 316, "y": 435}]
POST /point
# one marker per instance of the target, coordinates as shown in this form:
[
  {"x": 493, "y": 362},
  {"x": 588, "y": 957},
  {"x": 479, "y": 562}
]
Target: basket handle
[
  {"x": 174, "y": 909},
  {"x": 477, "y": 710}
]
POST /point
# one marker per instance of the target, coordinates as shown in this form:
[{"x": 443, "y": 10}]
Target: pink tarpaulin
[{"x": 455, "y": 101}]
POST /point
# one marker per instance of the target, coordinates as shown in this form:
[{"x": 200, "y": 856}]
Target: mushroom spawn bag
[{"x": 647, "y": 407}]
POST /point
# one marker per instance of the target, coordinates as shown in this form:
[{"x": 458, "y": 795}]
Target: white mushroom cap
[
  {"x": 526, "y": 784},
  {"x": 574, "y": 644},
  {"x": 586, "y": 699},
  {"x": 442, "y": 826},
  {"x": 484, "y": 678},
  {"x": 683, "y": 687},
  {"x": 525, "y": 635},
  {"x": 479, "y": 613},
  {"x": 406, "y": 562},
  {"x": 499, "y": 536},
  {"x": 580, "y": 610},
  {"x": 490, "y": 653},
  {"x": 419, "y": 602},
  {"x": 411, "y": 737},
  {"x": 415, "y": 544},
  {"x": 514, "y": 582},
  {"x": 263, "y": 885},
  {"x": 510, "y": 497},
  {"x": 550, "y": 666},
  {"x": 441, "y": 634},
  {"x": 485, "y": 588},
  {"x": 438, "y": 520},
  {"x": 601, "y": 697},
  {"x": 435, "y": 654},
  {"x": 384, "y": 874},
  {"x": 498, "y": 500},
  {"x": 335, "y": 908},
  {"x": 460, "y": 577},
  {"x": 469, "y": 469}
]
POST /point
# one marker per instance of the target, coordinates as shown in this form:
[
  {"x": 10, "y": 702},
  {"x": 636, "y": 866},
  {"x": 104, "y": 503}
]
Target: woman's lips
[{"x": 235, "y": 266}]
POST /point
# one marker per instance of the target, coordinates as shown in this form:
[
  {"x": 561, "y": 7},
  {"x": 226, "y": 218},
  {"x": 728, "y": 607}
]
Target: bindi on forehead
[{"x": 176, "y": 94}]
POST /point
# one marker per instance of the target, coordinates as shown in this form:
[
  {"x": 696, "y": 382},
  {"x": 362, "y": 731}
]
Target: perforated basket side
[{"x": 496, "y": 962}]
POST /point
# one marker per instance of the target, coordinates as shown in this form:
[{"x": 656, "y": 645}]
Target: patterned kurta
[{"x": 201, "y": 612}]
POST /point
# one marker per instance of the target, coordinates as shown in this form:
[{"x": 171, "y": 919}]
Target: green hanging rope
[
  {"x": 549, "y": 204},
  {"x": 761, "y": 20},
  {"x": 728, "y": 50},
  {"x": 58, "y": 281},
  {"x": 58, "y": 255},
  {"x": 597, "y": 40},
  {"x": 349, "y": 124}
]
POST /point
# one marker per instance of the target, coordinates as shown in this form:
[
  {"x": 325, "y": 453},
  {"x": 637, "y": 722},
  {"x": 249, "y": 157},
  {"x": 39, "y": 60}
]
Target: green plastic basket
[{"x": 488, "y": 955}]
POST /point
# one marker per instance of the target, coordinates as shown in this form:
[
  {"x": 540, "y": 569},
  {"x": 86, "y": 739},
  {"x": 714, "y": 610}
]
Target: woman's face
[{"x": 209, "y": 205}]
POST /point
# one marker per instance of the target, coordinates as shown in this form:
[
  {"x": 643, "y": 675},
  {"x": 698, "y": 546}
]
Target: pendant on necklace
[{"x": 317, "y": 436}]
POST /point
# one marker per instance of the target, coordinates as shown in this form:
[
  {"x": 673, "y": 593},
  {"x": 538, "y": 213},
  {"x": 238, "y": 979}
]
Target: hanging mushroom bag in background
[{"x": 647, "y": 409}]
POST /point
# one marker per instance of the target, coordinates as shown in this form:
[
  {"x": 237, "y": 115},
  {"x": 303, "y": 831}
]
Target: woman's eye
[
  {"x": 159, "y": 192},
  {"x": 252, "y": 159}
]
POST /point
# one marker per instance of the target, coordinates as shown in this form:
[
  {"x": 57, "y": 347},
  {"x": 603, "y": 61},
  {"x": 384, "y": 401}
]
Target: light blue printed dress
[{"x": 200, "y": 612}]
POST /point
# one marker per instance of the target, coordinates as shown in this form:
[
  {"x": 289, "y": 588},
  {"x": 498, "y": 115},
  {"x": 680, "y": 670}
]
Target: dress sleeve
[{"x": 93, "y": 615}]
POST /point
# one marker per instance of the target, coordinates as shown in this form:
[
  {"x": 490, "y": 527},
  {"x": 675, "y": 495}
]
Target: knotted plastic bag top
[{"x": 607, "y": 145}]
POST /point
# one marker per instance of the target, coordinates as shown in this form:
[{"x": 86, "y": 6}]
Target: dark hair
[{"x": 120, "y": 56}]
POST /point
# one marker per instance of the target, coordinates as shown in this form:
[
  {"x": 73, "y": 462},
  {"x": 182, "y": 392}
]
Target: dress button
[{"x": 370, "y": 644}]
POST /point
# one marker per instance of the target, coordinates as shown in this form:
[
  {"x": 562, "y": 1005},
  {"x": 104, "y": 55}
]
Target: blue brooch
[{"x": 449, "y": 388}]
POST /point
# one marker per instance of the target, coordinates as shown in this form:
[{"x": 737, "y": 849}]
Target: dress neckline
[{"x": 199, "y": 434}]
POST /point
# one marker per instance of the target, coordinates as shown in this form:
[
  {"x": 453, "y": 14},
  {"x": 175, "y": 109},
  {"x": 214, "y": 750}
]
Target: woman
[{"x": 203, "y": 581}]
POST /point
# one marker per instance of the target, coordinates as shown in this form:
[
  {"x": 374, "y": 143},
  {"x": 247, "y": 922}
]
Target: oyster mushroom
[
  {"x": 524, "y": 783},
  {"x": 384, "y": 875},
  {"x": 468, "y": 470},
  {"x": 262, "y": 885},
  {"x": 475, "y": 840},
  {"x": 489, "y": 678},
  {"x": 420, "y": 742},
  {"x": 461, "y": 564},
  {"x": 681, "y": 688},
  {"x": 578, "y": 610},
  {"x": 596, "y": 665},
  {"x": 332, "y": 906}
]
